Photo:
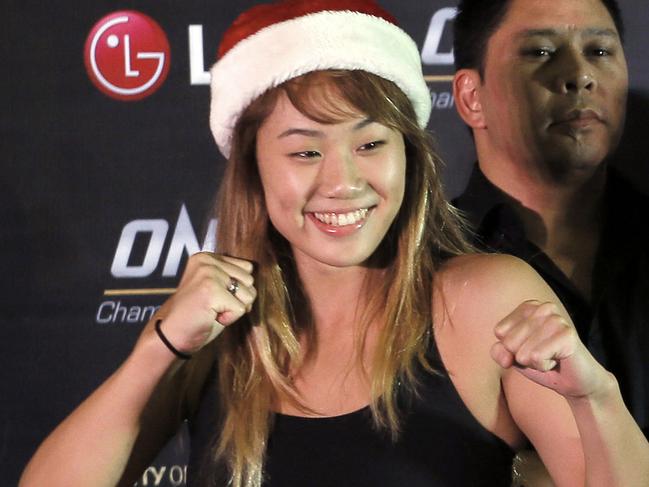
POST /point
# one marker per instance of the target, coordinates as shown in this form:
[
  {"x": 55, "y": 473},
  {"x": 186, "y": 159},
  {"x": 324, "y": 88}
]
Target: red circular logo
[{"x": 127, "y": 55}]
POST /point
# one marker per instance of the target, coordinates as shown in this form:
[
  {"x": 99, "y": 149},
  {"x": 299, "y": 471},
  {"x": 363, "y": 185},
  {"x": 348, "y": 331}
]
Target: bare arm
[
  {"x": 614, "y": 446},
  {"x": 94, "y": 445},
  {"x": 95, "y": 441},
  {"x": 567, "y": 404}
]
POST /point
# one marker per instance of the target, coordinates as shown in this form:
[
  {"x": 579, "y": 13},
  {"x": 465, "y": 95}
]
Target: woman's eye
[
  {"x": 307, "y": 154},
  {"x": 371, "y": 145}
]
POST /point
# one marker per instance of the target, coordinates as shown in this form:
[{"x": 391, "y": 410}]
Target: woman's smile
[
  {"x": 332, "y": 190},
  {"x": 339, "y": 223}
]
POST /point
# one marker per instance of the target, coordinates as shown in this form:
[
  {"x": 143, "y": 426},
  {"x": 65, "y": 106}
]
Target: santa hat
[{"x": 272, "y": 43}]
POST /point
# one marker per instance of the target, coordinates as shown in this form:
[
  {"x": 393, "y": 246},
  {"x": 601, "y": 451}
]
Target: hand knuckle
[
  {"x": 558, "y": 323},
  {"x": 509, "y": 343},
  {"x": 203, "y": 257},
  {"x": 553, "y": 308},
  {"x": 536, "y": 357},
  {"x": 528, "y": 306},
  {"x": 522, "y": 357},
  {"x": 569, "y": 333},
  {"x": 531, "y": 308},
  {"x": 212, "y": 273},
  {"x": 207, "y": 287}
]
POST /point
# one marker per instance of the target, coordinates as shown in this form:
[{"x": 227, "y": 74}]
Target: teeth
[{"x": 342, "y": 219}]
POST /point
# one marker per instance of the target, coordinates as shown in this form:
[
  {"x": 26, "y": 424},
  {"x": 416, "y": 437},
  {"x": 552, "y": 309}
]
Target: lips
[
  {"x": 340, "y": 219},
  {"x": 579, "y": 118},
  {"x": 340, "y": 222}
]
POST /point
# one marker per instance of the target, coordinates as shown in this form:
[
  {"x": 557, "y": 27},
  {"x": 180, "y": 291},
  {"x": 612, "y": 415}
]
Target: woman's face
[{"x": 332, "y": 190}]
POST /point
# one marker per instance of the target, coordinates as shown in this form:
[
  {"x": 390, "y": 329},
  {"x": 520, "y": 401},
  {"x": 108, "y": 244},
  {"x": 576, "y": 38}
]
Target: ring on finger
[{"x": 233, "y": 286}]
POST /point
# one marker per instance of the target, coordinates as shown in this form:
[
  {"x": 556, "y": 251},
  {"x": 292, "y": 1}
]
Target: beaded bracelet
[{"x": 165, "y": 340}]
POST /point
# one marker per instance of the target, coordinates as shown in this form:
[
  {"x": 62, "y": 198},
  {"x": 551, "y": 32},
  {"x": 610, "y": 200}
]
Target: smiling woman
[
  {"x": 337, "y": 171},
  {"x": 358, "y": 345}
]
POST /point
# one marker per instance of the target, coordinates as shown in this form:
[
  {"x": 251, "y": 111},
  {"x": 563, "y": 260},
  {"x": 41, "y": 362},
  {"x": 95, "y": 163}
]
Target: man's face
[{"x": 554, "y": 88}]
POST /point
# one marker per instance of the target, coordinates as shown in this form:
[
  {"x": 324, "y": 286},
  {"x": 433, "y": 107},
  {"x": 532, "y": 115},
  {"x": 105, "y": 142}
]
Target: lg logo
[{"x": 127, "y": 55}]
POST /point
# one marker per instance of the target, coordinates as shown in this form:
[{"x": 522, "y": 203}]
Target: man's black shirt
[{"x": 614, "y": 324}]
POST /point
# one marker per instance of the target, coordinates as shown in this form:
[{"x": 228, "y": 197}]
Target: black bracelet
[{"x": 176, "y": 352}]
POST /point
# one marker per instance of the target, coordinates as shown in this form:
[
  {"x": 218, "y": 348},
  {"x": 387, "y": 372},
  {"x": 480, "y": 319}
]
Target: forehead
[
  {"x": 318, "y": 103},
  {"x": 285, "y": 118},
  {"x": 562, "y": 16}
]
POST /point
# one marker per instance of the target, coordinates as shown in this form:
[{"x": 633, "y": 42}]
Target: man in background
[{"x": 542, "y": 85}]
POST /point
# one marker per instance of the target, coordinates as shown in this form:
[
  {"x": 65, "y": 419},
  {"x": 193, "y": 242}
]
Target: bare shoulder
[
  {"x": 481, "y": 269},
  {"x": 484, "y": 288},
  {"x": 491, "y": 275}
]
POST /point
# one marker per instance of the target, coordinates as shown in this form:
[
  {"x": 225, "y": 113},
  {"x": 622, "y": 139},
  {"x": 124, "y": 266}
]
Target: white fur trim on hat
[{"x": 318, "y": 41}]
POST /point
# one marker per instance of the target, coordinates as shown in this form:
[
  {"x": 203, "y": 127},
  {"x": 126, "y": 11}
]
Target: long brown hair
[{"x": 256, "y": 355}]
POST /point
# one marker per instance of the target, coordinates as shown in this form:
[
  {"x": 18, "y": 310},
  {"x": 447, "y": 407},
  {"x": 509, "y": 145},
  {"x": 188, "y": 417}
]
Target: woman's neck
[{"x": 335, "y": 294}]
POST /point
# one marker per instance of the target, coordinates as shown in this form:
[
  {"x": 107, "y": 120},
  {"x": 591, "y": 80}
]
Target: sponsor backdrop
[{"x": 108, "y": 174}]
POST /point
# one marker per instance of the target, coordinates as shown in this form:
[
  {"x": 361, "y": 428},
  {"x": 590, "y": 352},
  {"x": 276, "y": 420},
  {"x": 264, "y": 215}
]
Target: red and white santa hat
[{"x": 272, "y": 43}]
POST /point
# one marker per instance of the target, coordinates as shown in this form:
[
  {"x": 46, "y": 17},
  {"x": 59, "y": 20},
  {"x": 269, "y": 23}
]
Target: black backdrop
[{"x": 101, "y": 199}]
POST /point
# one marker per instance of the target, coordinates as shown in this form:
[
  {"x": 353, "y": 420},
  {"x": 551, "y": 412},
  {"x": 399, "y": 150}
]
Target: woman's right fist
[{"x": 214, "y": 292}]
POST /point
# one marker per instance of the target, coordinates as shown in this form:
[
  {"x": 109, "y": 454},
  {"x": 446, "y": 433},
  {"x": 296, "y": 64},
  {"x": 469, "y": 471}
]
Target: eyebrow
[
  {"x": 318, "y": 133},
  {"x": 590, "y": 32}
]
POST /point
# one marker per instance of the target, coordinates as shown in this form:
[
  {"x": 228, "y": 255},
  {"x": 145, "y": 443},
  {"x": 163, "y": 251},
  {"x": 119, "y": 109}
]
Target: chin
[
  {"x": 340, "y": 261},
  {"x": 337, "y": 258},
  {"x": 576, "y": 171}
]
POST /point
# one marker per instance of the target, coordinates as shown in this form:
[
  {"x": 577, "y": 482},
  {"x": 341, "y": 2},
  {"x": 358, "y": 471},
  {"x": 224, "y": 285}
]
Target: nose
[
  {"x": 340, "y": 176},
  {"x": 575, "y": 74},
  {"x": 579, "y": 83}
]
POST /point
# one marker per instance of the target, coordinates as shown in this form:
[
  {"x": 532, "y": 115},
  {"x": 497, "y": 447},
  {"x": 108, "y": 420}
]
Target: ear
[{"x": 466, "y": 91}]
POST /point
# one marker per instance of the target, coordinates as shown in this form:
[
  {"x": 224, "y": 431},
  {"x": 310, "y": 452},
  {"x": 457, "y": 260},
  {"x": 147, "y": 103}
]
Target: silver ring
[{"x": 233, "y": 286}]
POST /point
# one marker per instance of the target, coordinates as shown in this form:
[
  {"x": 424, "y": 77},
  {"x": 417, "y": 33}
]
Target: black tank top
[{"x": 441, "y": 445}]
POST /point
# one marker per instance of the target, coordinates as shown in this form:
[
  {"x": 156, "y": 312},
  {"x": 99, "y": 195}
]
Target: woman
[{"x": 367, "y": 349}]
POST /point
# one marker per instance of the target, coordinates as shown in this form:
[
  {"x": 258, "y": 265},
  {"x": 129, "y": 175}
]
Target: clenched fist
[
  {"x": 542, "y": 343},
  {"x": 214, "y": 292}
]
